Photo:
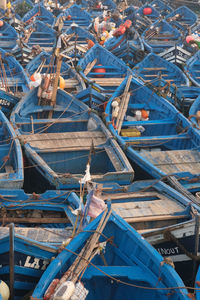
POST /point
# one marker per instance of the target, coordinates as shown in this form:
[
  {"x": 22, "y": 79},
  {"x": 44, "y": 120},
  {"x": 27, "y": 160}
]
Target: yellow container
[{"x": 130, "y": 132}]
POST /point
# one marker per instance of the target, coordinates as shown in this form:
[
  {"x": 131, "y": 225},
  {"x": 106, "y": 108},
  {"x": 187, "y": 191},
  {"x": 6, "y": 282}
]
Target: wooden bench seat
[{"x": 64, "y": 141}]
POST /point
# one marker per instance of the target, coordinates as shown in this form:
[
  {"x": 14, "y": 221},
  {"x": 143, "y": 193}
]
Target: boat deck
[
  {"x": 65, "y": 141},
  {"x": 146, "y": 209},
  {"x": 43, "y": 235},
  {"x": 175, "y": 161}
]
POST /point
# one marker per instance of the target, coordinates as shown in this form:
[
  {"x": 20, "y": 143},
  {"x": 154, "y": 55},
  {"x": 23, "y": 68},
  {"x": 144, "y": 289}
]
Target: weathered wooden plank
[
  {"x": 131, "y": 195},
  {"x": 90, "y": 66},
  {"x": 34, "y": 220},
  {"x": 107, "y": 81},
  {"x": 175, "y": 160},
  {"x": 65, "y": 140},
  {"x": 154, "y": 218}
]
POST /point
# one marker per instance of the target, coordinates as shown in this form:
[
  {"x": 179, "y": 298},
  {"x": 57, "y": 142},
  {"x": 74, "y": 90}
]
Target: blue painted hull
[
  {"x": 163, "y": 132},
  {"x": 112, "y": 67},
  {"x": 160, "y": 37},
  {"x": 154, "y": 66},
  {"x": 40, "y": 13},
  {"x": 131, "y": 260},
  {"x": 73, "y": 124}
]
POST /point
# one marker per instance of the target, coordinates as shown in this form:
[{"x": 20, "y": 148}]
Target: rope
[{"x": 131, "y": 284}]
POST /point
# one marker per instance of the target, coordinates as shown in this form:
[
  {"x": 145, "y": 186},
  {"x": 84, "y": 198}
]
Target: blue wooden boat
[
  {"x": 183, "y": 15},
  {"x": 59, "y": 146},
  {"x": 192, "y": 68},
  {"x": 75, "y": 14},
  {"x": 80, "y": 34},
  {"x": 148, "y": 11},
  {"x": 159, "y": 212},
  {"x": 11, "y": 165},
  {"x": 154, "y": 67},
  {"x": 101, "y": 69},
  {"x": 129, "y": 47},
  {"x": 181, "y": 97},
  {"x": 40, "y": 13},
  {"x": 23, "y": 53},
  {"x": 7, "y": 102},
  {"x": 8, "y": 37},
  {"x": 78, "y": 44},
  {"x": 52, "y": 209},
  {"x": 155, "y": 136},
  {"x": 42, "y": 223},
  {"x": 47, "y": 64},
  {"x": 30, "y": 260},
  {"x": 129, "y": 260},
  {"x": 13, "y": 76},
  {"x": 141, "y": 23},
  {"x": 93, "y": 99},
  {"x": 42, "y": 35},
  {"x": 97, "y": 7},
  {"x": 162, "y": 7},
  {"x": 176, "y": 54},
  {"x": 161, "y": 36}
]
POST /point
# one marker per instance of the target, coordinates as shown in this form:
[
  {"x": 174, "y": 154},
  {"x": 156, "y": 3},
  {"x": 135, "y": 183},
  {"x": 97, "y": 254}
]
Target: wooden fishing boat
[
  {"x": 58, "y": 141},
  {"x": 97, "y": 7},
  {"x": 162, "y": 7},
  {"x": 42, "y": 35},
  {"x": 181, "y": 97},
  {"x": 163, "y": 216},
  {"x": 154, "y": 135},
  {"x": 7, "y": 102},
  {"x": 176, "y": 55},
  {"x": 93, "y": 99},
  {"x": 52, "y": 209},
  {"x": 192, "y": 68},
  {"x": 75, "y": 14},
  {"x": 161, "y": 36},
  {"x": 11, "y": 169},
  {"x": 46, "y": 63},
  {"x": 22, "y": 53},
  {"x": 39, "y": 13},
  {"x": 148, "y": 11},
  {"x": 13, "y": 76},
  {"x": 78, "y": 43},
  {"x": 141, "y": 23},
  {"x": 80, "y": 35},
  {"x": 129, "y": 47},
  {"x": 183, "y": 15},
  {"x": 42, "y": 223},
  {"x": 8, "y": 36},
  {"x": 154, "y": 67},
  {"x": 127, "y": 267},
  {"x": 101, "y": 69}
]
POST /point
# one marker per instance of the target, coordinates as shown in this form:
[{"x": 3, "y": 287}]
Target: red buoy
[
  {"x": 99, "y": 70},
  {"x": 189, "y": 38},
  {"x": 147, "y": 11}
]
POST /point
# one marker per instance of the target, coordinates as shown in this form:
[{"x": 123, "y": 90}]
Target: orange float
[{"x": 99, "y": 70}]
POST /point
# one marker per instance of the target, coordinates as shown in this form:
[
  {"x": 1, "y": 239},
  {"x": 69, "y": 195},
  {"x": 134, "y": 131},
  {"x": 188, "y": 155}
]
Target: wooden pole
[
  {"x": 55, "y": 85},
  {"x": 11, "y": 260}
]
